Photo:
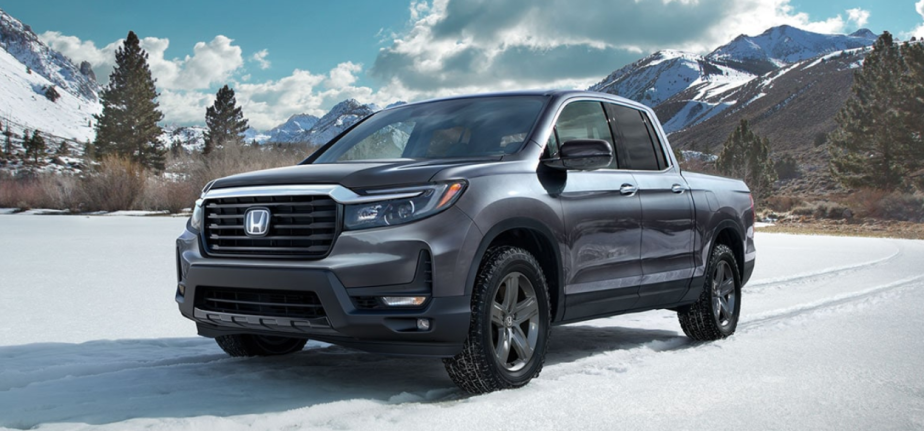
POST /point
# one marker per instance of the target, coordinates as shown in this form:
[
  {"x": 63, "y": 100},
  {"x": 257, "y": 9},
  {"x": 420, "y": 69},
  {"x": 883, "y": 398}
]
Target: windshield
[{"x": 476, "y": 127}]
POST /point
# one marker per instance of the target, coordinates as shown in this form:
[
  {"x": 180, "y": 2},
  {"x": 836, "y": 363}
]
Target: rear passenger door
[
  {"x": 602, "y": 221},
  {"x": 667, "y": 209}
]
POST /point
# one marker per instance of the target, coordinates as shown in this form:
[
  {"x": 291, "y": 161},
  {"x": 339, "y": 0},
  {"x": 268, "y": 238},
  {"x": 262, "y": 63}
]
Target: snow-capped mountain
[
  {"x": 784, "y": 45},
  {"x": 661, "y": 75},
  {"x": 27, "y": 68},
  {"x": 693, "y": 85},
  {"x": 22, "y": 43},
  {"x": 295, "y": 126},
  {"x": 339, "y": 118}
]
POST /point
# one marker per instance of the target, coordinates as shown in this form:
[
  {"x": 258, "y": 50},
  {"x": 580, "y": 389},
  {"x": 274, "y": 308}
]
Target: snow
[
  {"x": 23, "y": 105},
  {"x": 784, "y": 45},
  {"x": 8, "y": 210},
  {"x": 831, "y": 337}
]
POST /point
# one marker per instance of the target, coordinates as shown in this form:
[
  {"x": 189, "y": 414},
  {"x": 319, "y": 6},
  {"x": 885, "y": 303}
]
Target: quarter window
[{"x": 634, "y": 144}]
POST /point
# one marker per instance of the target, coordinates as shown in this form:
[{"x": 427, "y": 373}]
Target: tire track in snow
[
  {"x": 763, "y": 285},
  {"x": 762, "y": 319}
]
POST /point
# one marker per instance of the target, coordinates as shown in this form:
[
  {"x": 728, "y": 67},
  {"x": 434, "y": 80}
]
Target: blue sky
[{"x": 287, "y": 57}]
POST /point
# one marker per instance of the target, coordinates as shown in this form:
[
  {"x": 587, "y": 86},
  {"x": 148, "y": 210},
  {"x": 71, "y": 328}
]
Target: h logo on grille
[{"x": 257, "y": 222}]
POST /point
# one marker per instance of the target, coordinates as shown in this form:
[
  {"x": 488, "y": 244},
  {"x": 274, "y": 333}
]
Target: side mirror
[{"x": 583, "y": 154}]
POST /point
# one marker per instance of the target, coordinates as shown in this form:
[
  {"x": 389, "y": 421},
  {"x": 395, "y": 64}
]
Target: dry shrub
[
  {"x": 823, "y": 210},
  {"x": 230, "y": 160},
  {"x": 168, "y": 194},
  {"x": 782, "y": 203},
  {"x": 61, "y": 191},
  {"x": 19, "y": 192},
  {"x": 119, "y": 184},
  {"x": 902, "y": 207},
  {"x": 881, "y": 204},
  {"x": 115, "y": 184}
]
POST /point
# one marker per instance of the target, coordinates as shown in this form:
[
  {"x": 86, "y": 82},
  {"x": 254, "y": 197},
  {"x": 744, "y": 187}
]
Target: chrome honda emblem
[{"x": 257, "y": 222}]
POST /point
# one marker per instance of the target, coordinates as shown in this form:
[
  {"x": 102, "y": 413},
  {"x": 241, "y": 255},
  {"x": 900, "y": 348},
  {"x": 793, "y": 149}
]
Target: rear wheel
[
  {"x": 259, "y": 345},
  {"x": 715, "y": 315},
  {"x": 509, "y": 330}
]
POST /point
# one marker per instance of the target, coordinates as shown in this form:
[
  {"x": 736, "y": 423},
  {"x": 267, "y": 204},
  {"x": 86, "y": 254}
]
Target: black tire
[
  {"x": 259, "y": 345},
  {"x": 477, "y": 369},
  {"x": 715, "y": 314}
]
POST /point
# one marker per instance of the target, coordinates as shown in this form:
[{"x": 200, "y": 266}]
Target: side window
[
  {"x": 633, "y": 137},
  {"x": 583, "y": 120},
  {"x": 663, "y": 160},
  {"x": 387, "y": 143}
]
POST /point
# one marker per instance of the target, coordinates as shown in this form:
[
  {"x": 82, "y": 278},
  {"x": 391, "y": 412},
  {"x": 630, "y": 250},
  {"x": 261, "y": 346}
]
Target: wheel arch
[
  {"x": 728, "y": 233},
  {"x": 536, "y": 238}
]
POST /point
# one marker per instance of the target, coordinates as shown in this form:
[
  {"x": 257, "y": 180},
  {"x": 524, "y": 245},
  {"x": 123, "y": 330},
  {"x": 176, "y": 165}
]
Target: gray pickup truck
[{"x": 465, "y": 228}]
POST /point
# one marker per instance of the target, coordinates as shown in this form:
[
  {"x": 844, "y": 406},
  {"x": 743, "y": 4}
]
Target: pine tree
[
  {"x": 225, "y": 121},
  {"x": 63, "y": 149},
  {"x": 35, "y": 146},
  {"x": 128, "y": 125},
  {"x": 746, "y": 155},
  {"x": 8, "y": 141},
  {"x": 878, "y": 142}
]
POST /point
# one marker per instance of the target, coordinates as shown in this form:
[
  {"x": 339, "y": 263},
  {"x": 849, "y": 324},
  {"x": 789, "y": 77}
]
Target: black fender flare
[{"x": 520, "y": 223}]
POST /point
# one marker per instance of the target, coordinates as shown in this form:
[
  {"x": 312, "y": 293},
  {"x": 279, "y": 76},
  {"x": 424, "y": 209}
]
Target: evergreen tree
[
  {"x": 35, "y": 146},
  {"x": 878, "y": 142},
  {"x": 225, "y": 121},
  {"x": 746, "y": 155},
  {"x": 8, "y": 141},
  {"x": 63, "y": 149},
  {"x": 128, "y": 125}
]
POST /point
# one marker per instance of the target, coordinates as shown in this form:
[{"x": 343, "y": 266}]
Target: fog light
[
  {"x": 182, "y": 289},
  {"x": 423, "y": 324},
  {"x": 404, "y": 301}
]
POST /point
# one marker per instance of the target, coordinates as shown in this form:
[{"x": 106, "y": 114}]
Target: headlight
[
  {"x": 195, "y": 220},
  {"x": 433, "y": 198}
]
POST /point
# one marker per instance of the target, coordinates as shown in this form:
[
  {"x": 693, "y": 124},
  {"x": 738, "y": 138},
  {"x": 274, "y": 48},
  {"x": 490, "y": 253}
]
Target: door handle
[
  {"x": 628, "y": 189},
  {"x": 677, "y": 188}
]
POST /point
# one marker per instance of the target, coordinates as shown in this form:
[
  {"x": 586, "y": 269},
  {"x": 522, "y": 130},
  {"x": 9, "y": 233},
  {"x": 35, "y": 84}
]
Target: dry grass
[
  {"x": 870, "y": 229},
  {"x": 117, "y": 184}
]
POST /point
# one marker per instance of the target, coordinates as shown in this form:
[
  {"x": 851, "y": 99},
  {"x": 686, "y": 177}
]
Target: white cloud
[
  {"x": 482, "y": 45},
  {"x": 919, "y": 31},
  {"x": 343, "y": 75},
  {"x": 211, "y": 63},
  {"x": 858, "y": 17},
  {"x": 260, "y": 58}
]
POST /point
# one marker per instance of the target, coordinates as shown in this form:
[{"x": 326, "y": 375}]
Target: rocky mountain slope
[
  {"x": 685, "y": 87},
  {"x": 27, "y": 68}
]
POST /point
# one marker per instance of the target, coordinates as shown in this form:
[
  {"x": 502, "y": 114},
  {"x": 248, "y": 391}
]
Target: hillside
[
  {"x": 27, "y": 67},
  {"x": 687, "y": 88},
  {"x": 794, "y": 107}
]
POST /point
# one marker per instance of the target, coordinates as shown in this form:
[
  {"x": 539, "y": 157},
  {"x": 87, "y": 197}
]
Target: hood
[{"x": 350, "y": 175}]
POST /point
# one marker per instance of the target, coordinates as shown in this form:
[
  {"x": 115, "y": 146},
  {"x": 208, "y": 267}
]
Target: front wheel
[
  {"x": 715, "y": 315},
  {"x": 259, "y": 345},
  {"x": 509, "y": 331}
]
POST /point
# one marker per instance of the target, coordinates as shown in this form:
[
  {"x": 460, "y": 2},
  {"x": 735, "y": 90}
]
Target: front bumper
[{"x": 372, "y": 263}]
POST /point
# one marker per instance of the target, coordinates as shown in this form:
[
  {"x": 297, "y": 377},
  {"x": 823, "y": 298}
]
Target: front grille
[
  {"x": 257, "y": 302},
  {"x": 300, "y": 226}
]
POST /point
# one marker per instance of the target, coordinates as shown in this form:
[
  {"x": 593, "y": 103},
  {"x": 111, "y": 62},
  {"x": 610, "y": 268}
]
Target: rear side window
[
  {"x": 583, "y": 120},
  {"x": 634, "y": 142}
]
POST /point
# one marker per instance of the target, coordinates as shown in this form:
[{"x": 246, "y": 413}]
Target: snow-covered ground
[{"x": 831, "y": 337}]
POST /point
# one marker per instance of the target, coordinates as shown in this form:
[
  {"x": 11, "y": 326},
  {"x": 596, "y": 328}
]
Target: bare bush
[
  {"x": 119, "y": 184},
  {"x": 168, "y": 194},
  {"x": 782, "y": 203},
  {"x": 115, "y": 184},
  {"x": 823, "y": 210}
]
